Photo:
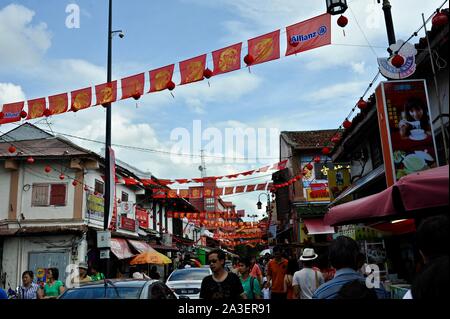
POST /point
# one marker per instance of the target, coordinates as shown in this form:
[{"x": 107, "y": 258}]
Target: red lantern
[
  {"x": 136, "y": 96},
  {"x": 174, "y": 204},
  {"x": 316, "y": 159},
  {"x": 61, "y": 177},
  {"x": 74, "y": 183},
  {"x": 30, "y": 160},
  {"x": 347, "y": 124},
  {"x": 181, "y": 215},
  {"x": 326, "y": 150},
  {"x": 2, "y": 115},
  {"x": 309, "y": 166},
  {"x": 47, "y": 112},
  {"x": 397, "y": 61},
  {"x": 188, "y": 215},
  {"x": 439, "y": 20},
  {"x": 12, "y": 149},
  {"x": 23, "y": 114},
  {"x": 171, "y": 85},
  {"x": 362, "y": 105},
  {"x": 47, "y": 169},
  {"x": 342, "y": 21},
  {"x": 74, "y": 109},
  {"x": 335, "y": 139},
  {"x": 207, "y": 73},
  {"x": 249, "y": 59}
]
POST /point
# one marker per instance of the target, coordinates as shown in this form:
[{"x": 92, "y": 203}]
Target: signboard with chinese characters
[
  {"x": 338, "y": 180},
  {"x": 142, "y": 217},
  {"x": 127, "y": 223},
  {"x": 95, "y": 206},
  {"x": 318, "y": 192},
  {"x": 407, "y": 136}
]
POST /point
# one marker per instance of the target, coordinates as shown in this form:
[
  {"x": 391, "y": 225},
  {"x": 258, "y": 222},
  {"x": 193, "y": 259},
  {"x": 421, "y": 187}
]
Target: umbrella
[
  {"x": 413, "y": 193},
  {"x": 196, "y": 262},
  {"x": 266, "y": 251},
  {"x": 150, "y": 256}
]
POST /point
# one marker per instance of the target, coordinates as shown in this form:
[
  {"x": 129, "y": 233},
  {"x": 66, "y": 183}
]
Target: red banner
[
  {"x": 36, "y": 108},
  {"x": 279, "y": 166},
  {"x": 265, "y": 47},
  {"x": 184, "y": 193},
  {"x": 159, "y": 78},
  {"x": 263, "y": 169},
  {"x": 209, "y": 192},
  {"x": 106, "y": 92},
  {"x": 192, "y": 70},
  {"x": 195, "y": 192},
  {"x": 81, "y": 99},
  {"x": 172, "y": 193},
  {"x": 229, "y": 190},
  {"x": 227, "y": 59},
  {"x": 261, "y": 187},
  {"x": 251, "y": 188},
  {"x": 133, "y": 86},
  {"x": 239, "y": 189},
  {"x": 142, "y": 217},
  {"x": 219, "y": 191},
  {"x": 309, "y": 34},
  {"x": 11, "y": 112},
  {"x": 58, "y": 103}
]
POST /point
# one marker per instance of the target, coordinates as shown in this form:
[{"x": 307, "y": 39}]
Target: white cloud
[
  {"x": 359, "y": 67},
  {"x": 337, "y": 91},
  {"x": 22, "y": 43},
  {"x": 10, "y": 92}
]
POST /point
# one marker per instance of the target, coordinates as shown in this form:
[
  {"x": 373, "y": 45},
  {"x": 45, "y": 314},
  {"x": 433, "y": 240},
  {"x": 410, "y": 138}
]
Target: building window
[
  {"x": 210, "y": 204},
  {"x": 124, "y": 197},
  {"x": 49, "y": 195},
  {"x": 99, "y": 187}
]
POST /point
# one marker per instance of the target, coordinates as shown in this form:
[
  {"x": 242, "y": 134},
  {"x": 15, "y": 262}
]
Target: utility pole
[{"x": 388, "y": 20}]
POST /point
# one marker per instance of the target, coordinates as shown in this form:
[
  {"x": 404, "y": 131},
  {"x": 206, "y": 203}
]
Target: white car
[{"x": 187, "y": 282}]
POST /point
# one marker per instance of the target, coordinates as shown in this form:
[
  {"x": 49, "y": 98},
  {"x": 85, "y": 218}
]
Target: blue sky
[{"x": 40, "y": 56}]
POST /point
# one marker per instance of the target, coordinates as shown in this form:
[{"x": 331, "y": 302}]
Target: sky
[{"x": 41, "y": 56}]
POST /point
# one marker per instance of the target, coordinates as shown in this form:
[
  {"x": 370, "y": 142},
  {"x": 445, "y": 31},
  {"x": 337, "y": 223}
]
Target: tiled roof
[{"x": 308, "y": 139}]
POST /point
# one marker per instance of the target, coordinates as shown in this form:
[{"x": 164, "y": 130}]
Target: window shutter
[
  {"x": 39, "y": 195},
  {"x": 58, "y": 194}
]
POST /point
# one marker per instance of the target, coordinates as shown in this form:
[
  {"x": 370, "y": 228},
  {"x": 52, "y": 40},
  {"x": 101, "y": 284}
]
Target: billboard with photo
[{"x": 406, "y": 132}]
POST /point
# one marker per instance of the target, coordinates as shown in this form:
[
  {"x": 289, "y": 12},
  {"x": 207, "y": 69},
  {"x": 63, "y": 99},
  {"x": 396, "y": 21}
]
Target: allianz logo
[{"x": 306, "y": 37}]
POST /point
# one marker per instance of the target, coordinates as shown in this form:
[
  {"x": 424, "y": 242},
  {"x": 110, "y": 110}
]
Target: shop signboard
[
  {"x": 317, "y": 192},
  {"x": 127, "y": 223},
  {"x": 142, "y": 218},
  {"x": 404, "y": 120},
  {"x": 126, "y": 208},
  {"x": 338, "y": 180},
  {"x": 95, "y": 206}
]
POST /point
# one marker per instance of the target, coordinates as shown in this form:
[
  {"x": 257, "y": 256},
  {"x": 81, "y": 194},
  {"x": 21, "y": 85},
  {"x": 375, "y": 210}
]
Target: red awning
[
  {"x": 120, "y": 248},
  {"x": 397, "y": 228},
  {"x": 140, "y": 246},
  {"x": 317, "y": 227},
  {"x": 414, "y": 192}
]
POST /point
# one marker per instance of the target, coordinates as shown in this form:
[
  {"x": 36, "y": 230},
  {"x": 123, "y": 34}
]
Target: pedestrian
[
  {"x": 138, "y": 274},
  {"x": 265, "y": 289},
  {"x": 255, "y": 271},
  {"x": 95, "y": 274},
  {"x": 3, "y": 294},
  {"x": 307, "y": 280},
  {"x": 235, "y": 266},
  {"x": 29, "y": 289},
  {"x": 221, "y": 284},
  {"x": 154, "y": 274},
  {"x": 356, "y": 290},
  {"x": 250, "y": 284},
  {"x": 53, "y": 287},
  {"x": 343, "y": 253},
  {"x": 432, "y": 283},
  {"x": 276, "y": 269},
  {"x": 292, "y": 268},
  {"x": 82, "y": 274}
]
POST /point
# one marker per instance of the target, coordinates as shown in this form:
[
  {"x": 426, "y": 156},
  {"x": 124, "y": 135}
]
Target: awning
[
  {"x": 140, "y": 246},
  {"x": 397, "y": 227},
  {"x": 414, "y": 193},
  {"x": 316, "y": 226},
  {"x": 164, "y": 247},
  {"x": 363, "y": 181},
  {"x": 120, "y": 248}
]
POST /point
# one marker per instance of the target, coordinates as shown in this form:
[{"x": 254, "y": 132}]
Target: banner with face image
[{"x": 407, "y": 136}]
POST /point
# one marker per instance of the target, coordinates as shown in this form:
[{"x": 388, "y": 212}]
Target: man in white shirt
[{"x": 307, "y": 280}]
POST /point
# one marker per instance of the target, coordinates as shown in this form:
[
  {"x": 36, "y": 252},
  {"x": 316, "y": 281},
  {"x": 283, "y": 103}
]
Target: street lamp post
[{"x": 388, "y": 20}]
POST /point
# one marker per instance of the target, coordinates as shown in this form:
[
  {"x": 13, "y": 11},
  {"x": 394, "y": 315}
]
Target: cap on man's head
[{"x": 83, "y": 265}]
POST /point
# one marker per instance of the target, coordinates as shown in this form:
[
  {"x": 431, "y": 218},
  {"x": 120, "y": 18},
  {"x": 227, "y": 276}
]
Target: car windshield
[
  {"x": 197, "y": 274},
  {"x": 99, "y": 293}
]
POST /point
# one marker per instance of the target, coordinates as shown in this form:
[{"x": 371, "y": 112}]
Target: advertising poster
[
  {"x": 339, "y": 180},
  {"x": 406, "y": 132}
]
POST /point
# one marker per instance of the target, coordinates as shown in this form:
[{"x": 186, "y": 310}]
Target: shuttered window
[
  {"x": 99, "y": 186},
  {"x": 39, "y": 195},
  {"x": 49, "y": 195}
]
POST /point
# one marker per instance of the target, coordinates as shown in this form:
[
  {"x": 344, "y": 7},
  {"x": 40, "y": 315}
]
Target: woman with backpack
[{"x": 250, "y": 284}]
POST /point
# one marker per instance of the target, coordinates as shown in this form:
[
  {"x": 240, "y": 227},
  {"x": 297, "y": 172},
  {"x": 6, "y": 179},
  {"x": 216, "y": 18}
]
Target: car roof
[
  {"x": 119, "y": 283},
  {"x": 190, "y": 269}
]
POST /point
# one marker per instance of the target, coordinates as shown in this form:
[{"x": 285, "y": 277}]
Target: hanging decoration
[
  {"x": 264, "y": 48},
  {"x": 227, "y": 59},
  {"x": 106, "y": 93},
  {"x": 58, "y": 103},
  {"x": 161, "y": 79},
  {"x": 397, "y": 60},
  {"x": 81, "y": 99},
  {"x": 30, "y": 160},
  {"x": 133, "y": 86},
  {"x": 439, "y": 20},
  {"x": 192, "y": 70},
  {"x": 11, "y": 112},
  {"x": 12, "y": 149},
  {"x": 342, "y": 21},
  {"x": 36, "y": 108}
]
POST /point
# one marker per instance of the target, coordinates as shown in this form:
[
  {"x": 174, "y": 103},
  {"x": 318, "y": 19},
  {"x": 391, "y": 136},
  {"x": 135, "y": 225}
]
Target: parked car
[
  {"x": 187, "y": 282},
  {"x": 120, "y": 289}
]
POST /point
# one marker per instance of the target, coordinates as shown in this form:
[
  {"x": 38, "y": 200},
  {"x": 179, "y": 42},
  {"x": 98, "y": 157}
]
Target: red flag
[
  {"x": 159, "y": 78},
  {"x": 172, "y": 193},
  {"x": 248, "y": 173},
  {"x": 209, "y": 192},
  {"x": 229, "y": 190},
  {"x": 198, "y": 180},
  {"x": 133, "y": 86},
  {"x": 192, "y": 70},
  {"x": 309, "y": 34},
  {"x": 182, "y": 181},
  {"x": 219, "y": 191},
  {"x": 239, "y": 189},
  {"x": 106, "y": 92},
  {"x": 265, "y": 47},
  {"x": 36, "y": 108},
  {"x": 195, "y": 192},
  {"x": 58, "y": 103},
  {"x": 264, "y": 169},
  {"x": 227, "y": 59},
  {"x": 261, "y": 187},
  {"x": 165, "y": 181},
  {"x": 241, "y": 212},
  {"x": 280, "y": 165},
  {"x": 184, "y": 193},
  {"x": 251, "y": 188},
  {"x": 11, "y": 112},
  {"x": 81, "y": 99}
]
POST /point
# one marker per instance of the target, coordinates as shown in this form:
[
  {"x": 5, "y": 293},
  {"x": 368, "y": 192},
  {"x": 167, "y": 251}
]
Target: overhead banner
[
  {"x": 309, "y": 34},
  {"x": 160, "y": 78},
  {"x": 106, "y": 93},
  {"x": 192, "y": 70},
  {"x": 58, "y": 103},
  {"x": 227, "y": 59},
  {"x": 11, "y": 112},
  {"x": 407, "y": 137},
  {"x": 36, "y": 108},
  {"x": 133, "y": 86},
  {"x": 265, "y": 47},
  {"x": 81, "y": 99}
]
